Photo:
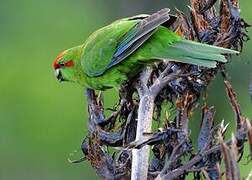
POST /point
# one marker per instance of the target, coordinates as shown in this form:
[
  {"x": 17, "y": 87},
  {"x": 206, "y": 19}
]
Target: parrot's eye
[
  {"x": 69, "y": 63},
  {"x": 61, "y": 64}
]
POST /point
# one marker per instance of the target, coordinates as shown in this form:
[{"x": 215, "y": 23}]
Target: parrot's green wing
[{"x": 112, "y": 44}]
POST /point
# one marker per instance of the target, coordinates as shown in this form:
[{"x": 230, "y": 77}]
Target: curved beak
[{"x": 58, "y": 75}]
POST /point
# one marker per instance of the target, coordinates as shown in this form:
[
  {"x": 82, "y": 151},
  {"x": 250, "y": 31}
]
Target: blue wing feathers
[
  {"x": 138, "y": 35},
  {"x": 126, "y": 43}
]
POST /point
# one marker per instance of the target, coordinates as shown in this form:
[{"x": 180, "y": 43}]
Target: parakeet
[{"x": 119, "y": 51}]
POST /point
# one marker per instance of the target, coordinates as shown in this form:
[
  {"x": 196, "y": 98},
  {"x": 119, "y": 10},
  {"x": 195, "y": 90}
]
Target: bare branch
[{"x": 140, "y": 157}]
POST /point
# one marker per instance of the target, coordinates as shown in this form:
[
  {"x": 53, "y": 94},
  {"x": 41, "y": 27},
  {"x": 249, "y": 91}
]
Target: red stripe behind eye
[{"x": 69, "y": 63}]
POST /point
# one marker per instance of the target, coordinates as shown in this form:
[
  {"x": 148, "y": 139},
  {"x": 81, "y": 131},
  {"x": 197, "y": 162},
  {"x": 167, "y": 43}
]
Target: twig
[{"x": 235, "y": 105}]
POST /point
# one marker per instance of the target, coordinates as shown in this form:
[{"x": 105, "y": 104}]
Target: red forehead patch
[{"x": 56, "y": 61}]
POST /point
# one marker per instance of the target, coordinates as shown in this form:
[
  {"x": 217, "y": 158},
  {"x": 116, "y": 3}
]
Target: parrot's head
[{"x": 67, "y": 63}]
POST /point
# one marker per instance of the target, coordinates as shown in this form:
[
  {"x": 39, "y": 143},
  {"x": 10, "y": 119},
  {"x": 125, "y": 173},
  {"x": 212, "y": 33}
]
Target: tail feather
[
  {"x": 198, "y": 62},
  {"x": 204, "y": 48},
  {"x": 197, "y": 53}
]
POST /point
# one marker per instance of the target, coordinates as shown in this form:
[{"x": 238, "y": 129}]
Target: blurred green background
[{"x": 41, "y": 120}]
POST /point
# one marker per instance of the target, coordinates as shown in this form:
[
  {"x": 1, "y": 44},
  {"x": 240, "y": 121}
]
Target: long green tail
[{"x": 191, "y": 52}]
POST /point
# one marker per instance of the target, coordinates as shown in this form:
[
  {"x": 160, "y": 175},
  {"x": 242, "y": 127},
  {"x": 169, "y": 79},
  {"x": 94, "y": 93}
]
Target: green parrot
[{"x": 117, "y": 52}]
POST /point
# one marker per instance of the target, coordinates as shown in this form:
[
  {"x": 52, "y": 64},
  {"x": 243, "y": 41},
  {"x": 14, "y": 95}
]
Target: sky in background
[{"x": 43, "y": 121}]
